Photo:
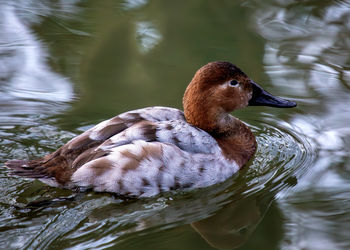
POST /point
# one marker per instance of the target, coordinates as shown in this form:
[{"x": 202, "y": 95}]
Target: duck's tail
[
  {"x": 53, "y": 172},
  {"x": 25, "y": 168}
]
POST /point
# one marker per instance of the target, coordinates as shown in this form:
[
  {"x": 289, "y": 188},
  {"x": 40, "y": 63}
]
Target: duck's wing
[
  {"x": 149, "y": 124},
  {"x": 108, "y": 128},
  {"x": 178, "y": 133}
]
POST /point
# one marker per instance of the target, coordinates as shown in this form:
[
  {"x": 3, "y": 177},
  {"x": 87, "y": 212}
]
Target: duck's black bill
[{"x": 263, "y": 98}]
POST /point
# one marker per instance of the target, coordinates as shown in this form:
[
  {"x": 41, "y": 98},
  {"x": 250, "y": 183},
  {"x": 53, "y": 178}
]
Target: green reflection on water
[{"x": 115, "y": 73}]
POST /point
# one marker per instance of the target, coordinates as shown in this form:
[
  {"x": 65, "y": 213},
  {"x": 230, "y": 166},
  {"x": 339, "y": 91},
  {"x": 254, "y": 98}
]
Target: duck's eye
[{"x": 234, "y": 83}]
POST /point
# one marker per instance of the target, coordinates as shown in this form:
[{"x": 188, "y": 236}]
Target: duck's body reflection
[
  {"x": 225, "y": 220},
  {"x": 231, "y": 226}
]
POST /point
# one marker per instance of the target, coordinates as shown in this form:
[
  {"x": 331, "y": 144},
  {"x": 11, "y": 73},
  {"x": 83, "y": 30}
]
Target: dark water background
[{"x": 67, "y": 64}]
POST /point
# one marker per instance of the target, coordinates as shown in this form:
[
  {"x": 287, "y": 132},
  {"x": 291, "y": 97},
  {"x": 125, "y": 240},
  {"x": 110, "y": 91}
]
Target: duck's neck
[
  {"x": 238, "y": 144},
  {"x": 233, "y": 136}
]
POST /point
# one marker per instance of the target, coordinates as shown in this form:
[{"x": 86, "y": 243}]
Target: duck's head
[{"x": 219, "y": 88}]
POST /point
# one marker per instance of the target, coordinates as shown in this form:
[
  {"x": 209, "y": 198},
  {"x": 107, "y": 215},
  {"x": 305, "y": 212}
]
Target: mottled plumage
[{"x": 144, "y": 152}]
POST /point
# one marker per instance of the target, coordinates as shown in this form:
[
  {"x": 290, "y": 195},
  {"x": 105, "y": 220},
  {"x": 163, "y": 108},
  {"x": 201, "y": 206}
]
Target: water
[{"x": 66, "y": 65}]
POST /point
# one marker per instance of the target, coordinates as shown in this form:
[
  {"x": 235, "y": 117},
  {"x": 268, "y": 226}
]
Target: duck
[{"x": 148, "y": 151}]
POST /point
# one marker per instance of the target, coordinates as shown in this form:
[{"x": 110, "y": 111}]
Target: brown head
[{"x": 219, "y": 88}]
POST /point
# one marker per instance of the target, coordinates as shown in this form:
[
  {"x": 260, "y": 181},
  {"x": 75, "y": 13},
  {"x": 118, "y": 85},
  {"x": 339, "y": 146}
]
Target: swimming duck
[{"x": 144, "y": 152}]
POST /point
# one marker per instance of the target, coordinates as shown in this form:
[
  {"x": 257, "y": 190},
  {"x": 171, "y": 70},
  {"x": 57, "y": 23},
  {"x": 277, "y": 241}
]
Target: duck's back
[{"x": 138, "y": 153}]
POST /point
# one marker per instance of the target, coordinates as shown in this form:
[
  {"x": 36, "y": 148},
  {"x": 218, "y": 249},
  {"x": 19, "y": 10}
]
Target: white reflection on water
[
  {"x": 147, "y": 35},
  {"x": 134, "y": 4},
  {"x": 308, "y": 51},
  {"x": 29, "y": 90},
  {"x": 24, "y": 72}
]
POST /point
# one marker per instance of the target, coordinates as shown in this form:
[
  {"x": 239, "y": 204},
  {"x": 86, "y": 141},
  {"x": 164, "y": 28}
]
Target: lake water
[{"x": 65, "y": 65}]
